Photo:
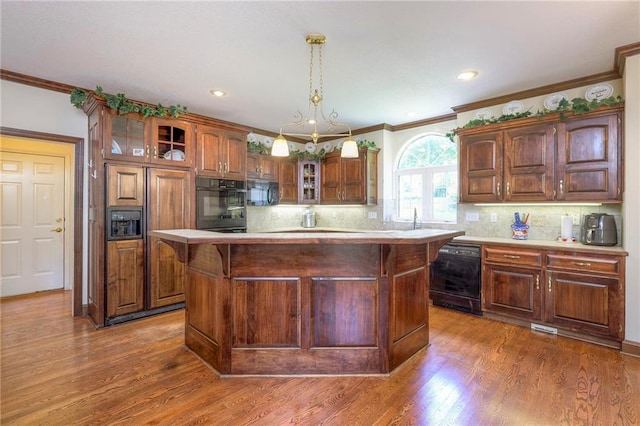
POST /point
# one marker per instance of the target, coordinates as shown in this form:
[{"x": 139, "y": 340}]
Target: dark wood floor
[{"x": 57, "y": 370}]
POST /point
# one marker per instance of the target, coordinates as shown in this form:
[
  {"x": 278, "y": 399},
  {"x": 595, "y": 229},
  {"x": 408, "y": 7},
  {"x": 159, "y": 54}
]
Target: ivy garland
[
  {"x": 123, "y": 105},
  {"x": 576, "y": 105},
  {"x": 261, "y": 148}
]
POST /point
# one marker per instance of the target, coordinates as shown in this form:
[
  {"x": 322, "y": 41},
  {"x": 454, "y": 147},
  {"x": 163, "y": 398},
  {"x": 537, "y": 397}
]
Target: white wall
[
  {"x": 631, "y": 231},
  {"x": 30, "y": 108}
]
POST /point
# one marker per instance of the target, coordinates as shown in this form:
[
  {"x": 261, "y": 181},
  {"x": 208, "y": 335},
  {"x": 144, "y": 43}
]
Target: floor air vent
[{"x": 544, "y": 328}]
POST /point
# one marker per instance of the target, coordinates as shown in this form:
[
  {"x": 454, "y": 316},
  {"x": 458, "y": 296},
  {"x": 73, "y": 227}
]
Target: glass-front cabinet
[
  {"x": 127, "y": 140},
  {"x": 172, "y": 142},
  {"x": 309, "y": 182}
]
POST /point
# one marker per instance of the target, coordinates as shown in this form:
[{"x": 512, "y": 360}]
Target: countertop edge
[
  {"x": 192, "y": 236},
  {"x": 543, "y": 245}
]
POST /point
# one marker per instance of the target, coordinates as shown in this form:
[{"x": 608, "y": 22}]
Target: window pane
[
  {"x": 445, "y": 195},
  {"x": 429, "y": 151},
  {"x": 410, "y": 196}
]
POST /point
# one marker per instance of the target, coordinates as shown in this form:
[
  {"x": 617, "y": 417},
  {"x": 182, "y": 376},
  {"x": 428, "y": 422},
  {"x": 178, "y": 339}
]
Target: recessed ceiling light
[
  {"x": 410, "y": 114},
  {"x": 217, "y": 92},
  {"x": 467, "y": 75}
]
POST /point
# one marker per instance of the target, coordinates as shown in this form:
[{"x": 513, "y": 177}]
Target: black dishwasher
[{"x": 455, "y": 278}]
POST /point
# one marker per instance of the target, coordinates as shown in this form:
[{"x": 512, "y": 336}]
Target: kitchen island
[{"x": 297, "y": 303}]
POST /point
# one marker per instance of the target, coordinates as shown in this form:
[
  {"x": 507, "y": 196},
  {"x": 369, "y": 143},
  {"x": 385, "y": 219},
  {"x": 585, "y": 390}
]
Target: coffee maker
[{"x": 599, "y": 229}]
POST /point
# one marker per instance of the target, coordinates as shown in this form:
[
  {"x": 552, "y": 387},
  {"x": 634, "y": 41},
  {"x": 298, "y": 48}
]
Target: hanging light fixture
[{"x": 308, "y": 125}]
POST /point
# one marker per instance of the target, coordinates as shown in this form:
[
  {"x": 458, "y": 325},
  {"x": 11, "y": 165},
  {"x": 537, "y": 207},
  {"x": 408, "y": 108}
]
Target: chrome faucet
[{"x": 415, "y": 218}]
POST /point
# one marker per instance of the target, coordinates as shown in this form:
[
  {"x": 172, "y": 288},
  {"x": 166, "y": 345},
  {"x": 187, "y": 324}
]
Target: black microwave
[{"x": 262, "y": 193}]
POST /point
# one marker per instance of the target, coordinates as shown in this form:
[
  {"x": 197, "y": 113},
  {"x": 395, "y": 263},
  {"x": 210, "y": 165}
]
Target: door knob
[{"x": 58, "y": 229}]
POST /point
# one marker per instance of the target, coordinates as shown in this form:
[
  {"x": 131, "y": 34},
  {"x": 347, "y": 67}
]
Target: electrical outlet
[
  {"x": 472, "y": 216},
  {"x": 576, "y": 218},
  {"x": 372, "y": 215},
  {"x": 494, "y": 217}
]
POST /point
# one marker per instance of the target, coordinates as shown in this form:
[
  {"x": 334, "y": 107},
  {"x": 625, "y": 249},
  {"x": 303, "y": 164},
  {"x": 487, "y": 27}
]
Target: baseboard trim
[{"x": 630, "y": 348}]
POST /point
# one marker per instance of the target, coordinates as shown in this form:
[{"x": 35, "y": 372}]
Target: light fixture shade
[
  {"x": 280, "y": 147},
  {"x": 349, "y": 149}
]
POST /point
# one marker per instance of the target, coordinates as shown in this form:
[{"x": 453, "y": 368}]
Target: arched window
[{"x": 427, "y": 179}]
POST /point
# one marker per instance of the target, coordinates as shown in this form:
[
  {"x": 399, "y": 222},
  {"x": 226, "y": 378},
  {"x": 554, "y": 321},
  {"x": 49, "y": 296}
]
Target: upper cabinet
[
  {"x": 537, "y": 160},
  {"x": 288, "y": 180},
  {"x": 309, "y": 178},
  {"x": 172, "y": 142},
  {"x": 221, "y": 153},
  {"x": 126, "y": 138},
  {"x": 349, "y": 180},
  {"x": 262, "y": 166}
]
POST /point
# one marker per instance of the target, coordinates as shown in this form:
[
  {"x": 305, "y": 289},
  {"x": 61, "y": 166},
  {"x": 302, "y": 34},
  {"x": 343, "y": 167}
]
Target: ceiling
[{"x": 382, "y": 59}]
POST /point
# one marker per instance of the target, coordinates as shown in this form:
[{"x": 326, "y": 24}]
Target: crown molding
[
  {"x": 621, "y": 55},
  {"x": 539, "y": 91}
]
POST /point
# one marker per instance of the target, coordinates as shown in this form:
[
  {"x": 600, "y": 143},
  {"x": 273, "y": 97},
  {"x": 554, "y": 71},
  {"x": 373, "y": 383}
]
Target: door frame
[{"x": 78, "y": 202}]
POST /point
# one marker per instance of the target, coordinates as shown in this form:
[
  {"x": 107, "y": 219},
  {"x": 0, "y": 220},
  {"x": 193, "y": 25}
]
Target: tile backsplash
[{"x": 544, "y": 221}]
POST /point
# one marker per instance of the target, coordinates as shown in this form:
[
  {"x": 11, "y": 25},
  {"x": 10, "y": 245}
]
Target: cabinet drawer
[
  {"x": 512, "y": 256},
  {"x": 608, "y": 265}
]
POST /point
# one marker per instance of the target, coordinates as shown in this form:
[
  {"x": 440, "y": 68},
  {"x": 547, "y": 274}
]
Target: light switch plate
[{"x": 372, "y": 215}]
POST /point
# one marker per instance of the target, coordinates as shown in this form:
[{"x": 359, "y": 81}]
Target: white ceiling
[{"x": 382, "y": 59}]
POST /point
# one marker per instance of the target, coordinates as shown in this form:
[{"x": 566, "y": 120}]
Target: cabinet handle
[
  {"x": 498, "y": 189},
  {"x": 549, "y": 284},
  {"x": 508, "y": 188},
  {"x": 220, "y": 166},
  {"x": 338, "y": 194},
  {"x": 94, "y": 174},
  {"x": 582, "y": 263},
  {"x": 226, "y": 167},
  {"x": 561, "y": 187},
  {"x": 537, "y": 282},
  {"x": 148, "y": 151},
  {"x": 155, "y": 152},
  {"x": 511, "y": 256}
]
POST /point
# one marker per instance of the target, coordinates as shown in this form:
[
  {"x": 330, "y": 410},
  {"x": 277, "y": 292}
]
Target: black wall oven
[
  {"x": 455, "y": 278},
  {"x": 221, "y": 205}
]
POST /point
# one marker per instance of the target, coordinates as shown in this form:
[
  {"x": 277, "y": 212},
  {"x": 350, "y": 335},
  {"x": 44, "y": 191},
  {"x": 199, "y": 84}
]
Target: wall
[
  {"x": 29, "y": 108},
  {"x": 632, "y": 197}
]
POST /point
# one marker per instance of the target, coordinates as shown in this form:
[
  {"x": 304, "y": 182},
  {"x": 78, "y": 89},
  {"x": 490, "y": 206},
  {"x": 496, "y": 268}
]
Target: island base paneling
[{"x": 260, "y": 309}]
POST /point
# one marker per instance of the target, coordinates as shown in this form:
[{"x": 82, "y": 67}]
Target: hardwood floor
[{"x": 57, "y": 370}]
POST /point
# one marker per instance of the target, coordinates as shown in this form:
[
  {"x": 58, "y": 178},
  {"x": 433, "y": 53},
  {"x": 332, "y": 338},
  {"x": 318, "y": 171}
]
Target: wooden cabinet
[
  {"x": 125, "y": 186},
  {"x": 169, "y": 208},
  {"x": 534, "y": 160},
  {"x": 585, "y": 293},
  {"x": 579, "y": 293},
  {"x": 309, "y": 178},
  {"x": 126, "y": 137},
  {"x": 125, "y": 277},
  {"x": 172, "y": 142},
  {"x": 349, "y": 180},
  {"x": 511, "y": 282},
  {"x": 590, "y": 159},
  {"x": 288, "y": 180},
  {"x": 262, "y": 166},
  {"x": 221, "y": 153}
]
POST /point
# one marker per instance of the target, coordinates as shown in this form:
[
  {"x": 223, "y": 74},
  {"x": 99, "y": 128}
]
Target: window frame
[{"x": 427, "y": 174}]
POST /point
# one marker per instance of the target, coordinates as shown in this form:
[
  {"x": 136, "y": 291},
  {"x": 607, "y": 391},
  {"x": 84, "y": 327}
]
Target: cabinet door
[
  {"x": 269, "y": 168},
  {"x": 512, "y": 291},
  {"x": 481, "y": 168},
  {"x": 330, "y": 180},
  {"x": 288, "y": 181},
  {"x": 353, "y": 179},
  {"x": 253, "y": 165},
  {"x": 585, "y": 303},
  {"x": 172, "y": 142},
  {"x": 529, "y": 163},
  {"x": 309, "y": 182},
  {"x": 210, "y": 151},
  {"x": 125, "y": 277},
  {"x": 125, "y": 186},
  {"x": 169, "y": 208},
  {"x": 235, "y": 161},
  {"x": 125, "y": 137},
  {"x": 589, "y": 150}
]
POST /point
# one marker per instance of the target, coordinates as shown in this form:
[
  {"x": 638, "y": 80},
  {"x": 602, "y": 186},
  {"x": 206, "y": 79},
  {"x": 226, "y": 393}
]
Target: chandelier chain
[{"x": 320, "y": 65}]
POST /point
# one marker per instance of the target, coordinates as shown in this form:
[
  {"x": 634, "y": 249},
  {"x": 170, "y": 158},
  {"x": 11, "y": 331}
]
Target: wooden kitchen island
[{"x": 296, "y": 303}]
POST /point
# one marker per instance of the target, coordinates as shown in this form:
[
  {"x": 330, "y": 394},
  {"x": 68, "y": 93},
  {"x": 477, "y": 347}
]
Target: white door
[{"x": 32, "y": 223}]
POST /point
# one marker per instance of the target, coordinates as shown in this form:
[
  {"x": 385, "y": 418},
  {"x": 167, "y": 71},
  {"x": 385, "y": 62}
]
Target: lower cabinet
[
  {"x": 580, "y": 294},
  {"x": 585, "y": 293},
  {"x": 125, "y": 277}
]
